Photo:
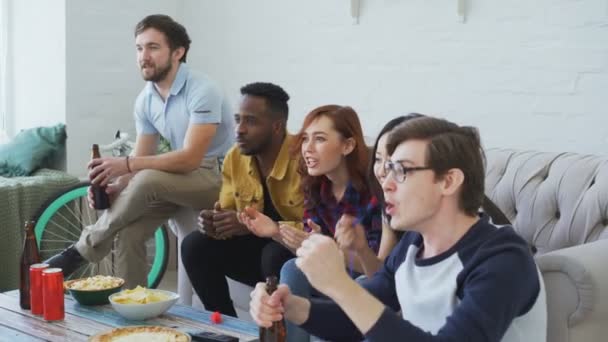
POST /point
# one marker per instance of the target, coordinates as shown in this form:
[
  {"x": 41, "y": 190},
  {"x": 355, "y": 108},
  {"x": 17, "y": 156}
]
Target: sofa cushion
[
  {"x": 554, "y": 200},
  {"x": 31, "y": 149}
]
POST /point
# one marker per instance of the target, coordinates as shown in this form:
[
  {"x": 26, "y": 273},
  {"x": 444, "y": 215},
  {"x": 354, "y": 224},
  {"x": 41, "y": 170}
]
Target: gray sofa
[{"x": 559, "y": 203}]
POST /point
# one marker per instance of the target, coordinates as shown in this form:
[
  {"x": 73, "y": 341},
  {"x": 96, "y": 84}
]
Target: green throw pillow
[{"x": 30, "y": 150}]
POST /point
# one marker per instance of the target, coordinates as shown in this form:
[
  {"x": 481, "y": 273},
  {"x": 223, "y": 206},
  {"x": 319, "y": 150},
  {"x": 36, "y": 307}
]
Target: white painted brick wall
[{"x": 530, "y": 74}]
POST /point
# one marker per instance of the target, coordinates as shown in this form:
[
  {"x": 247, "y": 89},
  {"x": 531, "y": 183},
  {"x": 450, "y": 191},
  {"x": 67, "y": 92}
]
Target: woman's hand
[
  {"x": 258, "y": 223},
  {"x": 350, "y": 235},
  {"x": 293, "y": 237}
]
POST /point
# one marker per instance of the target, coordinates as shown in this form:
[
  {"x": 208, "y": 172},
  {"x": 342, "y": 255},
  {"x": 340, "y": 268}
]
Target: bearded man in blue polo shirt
[{"x": 147, "y": 189}]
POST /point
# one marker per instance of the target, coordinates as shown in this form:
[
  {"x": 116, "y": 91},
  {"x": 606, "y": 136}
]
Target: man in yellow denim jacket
[
  {"x": 241, "y": 186},
  {"x": 259, "y": 171}
]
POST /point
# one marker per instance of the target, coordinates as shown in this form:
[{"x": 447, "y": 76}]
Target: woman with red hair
[
  {"x": 333, "y": 167},
  {"x": 338, "y": 198}
]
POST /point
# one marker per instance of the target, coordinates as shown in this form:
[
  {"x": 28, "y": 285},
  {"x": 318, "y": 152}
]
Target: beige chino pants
[{"x": 149, "y": 200}]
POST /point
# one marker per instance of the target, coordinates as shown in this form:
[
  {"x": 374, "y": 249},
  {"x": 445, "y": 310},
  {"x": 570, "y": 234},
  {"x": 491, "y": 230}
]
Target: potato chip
[{"x": 139, "y": 295}]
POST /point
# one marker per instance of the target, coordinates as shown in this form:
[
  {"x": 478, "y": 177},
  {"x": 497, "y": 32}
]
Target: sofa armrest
[{"x": 584, "y": 268}]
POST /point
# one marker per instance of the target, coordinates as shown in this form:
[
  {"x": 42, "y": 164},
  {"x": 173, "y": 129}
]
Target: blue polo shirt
[{"x": 193, "y": 99}]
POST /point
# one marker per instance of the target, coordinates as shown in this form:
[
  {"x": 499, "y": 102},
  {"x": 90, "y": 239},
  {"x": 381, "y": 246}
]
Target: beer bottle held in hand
[
  {"x": 29, "y": 256},
  {"x": 277, "y": 332},
  {"x": 102, "y": 201}
]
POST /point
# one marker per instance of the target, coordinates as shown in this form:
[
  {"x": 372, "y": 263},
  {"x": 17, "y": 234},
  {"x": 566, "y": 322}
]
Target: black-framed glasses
[{"x": 399, "y": 171}]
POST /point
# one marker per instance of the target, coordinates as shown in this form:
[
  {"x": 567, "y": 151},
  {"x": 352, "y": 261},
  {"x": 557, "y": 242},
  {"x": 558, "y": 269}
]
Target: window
[{"x": 4, "y": 77}]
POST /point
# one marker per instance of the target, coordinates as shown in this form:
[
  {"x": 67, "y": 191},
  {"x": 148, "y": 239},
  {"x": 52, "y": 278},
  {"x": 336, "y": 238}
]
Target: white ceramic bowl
[{"x": 139, "y": 312}]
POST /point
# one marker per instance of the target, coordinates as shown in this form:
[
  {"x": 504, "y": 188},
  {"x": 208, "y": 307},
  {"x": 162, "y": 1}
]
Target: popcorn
[{"x": 98, "y": 282}]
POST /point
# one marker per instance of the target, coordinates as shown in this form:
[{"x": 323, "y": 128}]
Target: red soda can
[
  {"x": 52, "y": 294},
  {"x": 36, "y": 288}
]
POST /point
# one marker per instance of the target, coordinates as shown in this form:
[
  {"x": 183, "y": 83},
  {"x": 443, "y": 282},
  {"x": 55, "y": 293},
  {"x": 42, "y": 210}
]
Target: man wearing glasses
[{"x": 454, "y": 276}]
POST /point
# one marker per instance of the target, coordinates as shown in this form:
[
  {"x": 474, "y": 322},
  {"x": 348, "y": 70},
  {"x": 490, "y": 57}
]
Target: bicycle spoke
[
  {"x": 74, "y": 274},
  {"x": 55, "y": 241},
  {"x": 77, "y": 217},
  {"x": 84, "y": 271},
  {"x": 84, "y": 210},
  {"x": 104, "y": 267},
  {"x": 55, "y": 234},
  {"x": 77, "y": 212},
  {"x": 61, "y": 222},
  {"x": 113, "y": 261},
  {"x": 53, "y": 251},
  {"x": 89, "y": 215},
  {"x": 65, "y": 230}
]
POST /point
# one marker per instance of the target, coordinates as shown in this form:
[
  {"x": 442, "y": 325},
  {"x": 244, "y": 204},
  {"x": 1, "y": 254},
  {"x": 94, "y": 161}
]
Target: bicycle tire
[{"x": 62, "y": 199}]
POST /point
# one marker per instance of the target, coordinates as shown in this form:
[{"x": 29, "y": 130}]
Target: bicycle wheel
[{"x": 60, "y": 221}]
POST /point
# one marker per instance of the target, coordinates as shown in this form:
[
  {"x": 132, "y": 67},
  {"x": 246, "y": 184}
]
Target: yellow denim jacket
[{"x": 241, "y": 185}]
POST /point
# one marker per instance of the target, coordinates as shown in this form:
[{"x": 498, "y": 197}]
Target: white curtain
[{"x": 4, "y": 72}]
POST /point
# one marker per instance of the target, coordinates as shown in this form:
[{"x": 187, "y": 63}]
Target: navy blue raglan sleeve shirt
[{"x": 472, "y": 292}]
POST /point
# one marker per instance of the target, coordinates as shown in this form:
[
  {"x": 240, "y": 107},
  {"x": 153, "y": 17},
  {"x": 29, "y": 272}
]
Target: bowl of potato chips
[
  {"x": 93, "y": 290},
  {"x": 141, "y": 303}
]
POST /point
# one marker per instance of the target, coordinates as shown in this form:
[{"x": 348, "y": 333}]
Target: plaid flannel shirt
[{"x": 364, "y": 207}]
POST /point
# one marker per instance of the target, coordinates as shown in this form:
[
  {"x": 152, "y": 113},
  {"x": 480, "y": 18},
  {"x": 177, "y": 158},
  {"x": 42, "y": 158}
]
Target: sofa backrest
[{"x": 554, "y": 200}]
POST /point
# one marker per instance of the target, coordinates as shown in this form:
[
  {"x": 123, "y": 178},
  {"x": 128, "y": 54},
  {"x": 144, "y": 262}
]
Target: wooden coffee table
[{"x": 83, "y": 321}]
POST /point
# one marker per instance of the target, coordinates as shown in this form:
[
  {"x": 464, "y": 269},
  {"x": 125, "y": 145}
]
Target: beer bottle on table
[
  {"x": 277, "y": 332},
  {"x": 29, "y": 256},
  {"x": 102, "y": 201}
]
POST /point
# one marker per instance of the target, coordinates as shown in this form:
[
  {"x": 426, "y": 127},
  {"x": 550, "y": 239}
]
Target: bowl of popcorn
[
  {"x": 93, "y": 290},
  {"x": 141, "y": 303}
]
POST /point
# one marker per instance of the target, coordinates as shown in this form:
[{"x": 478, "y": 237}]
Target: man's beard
[
  {"x": 261, "y": 147},
  {"x": 159, "y": 74}
]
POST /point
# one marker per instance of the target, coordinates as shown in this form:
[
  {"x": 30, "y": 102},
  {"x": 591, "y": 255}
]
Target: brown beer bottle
[
  {"x": 29, "y": 256},
  {"x": 277, "y": 332},
  {"x": 102, "y": 201}
]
